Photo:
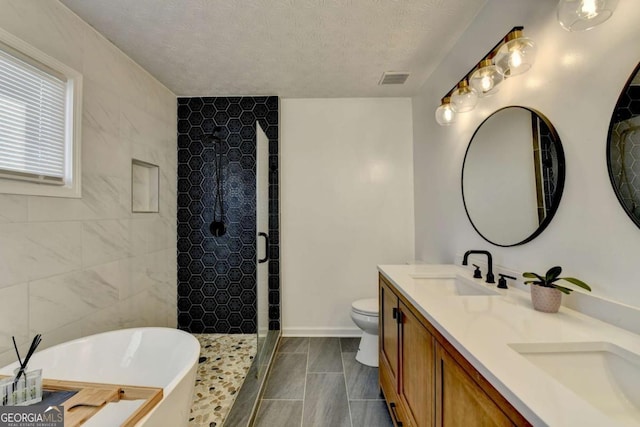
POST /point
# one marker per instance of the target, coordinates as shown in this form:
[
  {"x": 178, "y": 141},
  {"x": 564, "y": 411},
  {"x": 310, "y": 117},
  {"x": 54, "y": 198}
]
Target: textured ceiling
[{"x": 290, "y": 48}]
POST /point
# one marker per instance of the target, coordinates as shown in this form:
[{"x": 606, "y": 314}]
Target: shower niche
[{"x": 144, "y": 186}]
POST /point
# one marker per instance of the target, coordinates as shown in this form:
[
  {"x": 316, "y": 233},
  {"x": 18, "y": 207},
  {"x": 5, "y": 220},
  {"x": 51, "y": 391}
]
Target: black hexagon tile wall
[{"x": 217, "y": 275}]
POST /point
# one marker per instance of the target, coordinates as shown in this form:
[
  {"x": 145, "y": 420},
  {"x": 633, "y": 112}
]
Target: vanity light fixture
[
  {"x": 486, "y": 78},
  {"x": 582, "y": 15},
  {"x": 516, "y": 55},
  {"x": 464, "y": 98},
  {"x": 444, "y": 113},
  {"x": 513, "y": 55}
]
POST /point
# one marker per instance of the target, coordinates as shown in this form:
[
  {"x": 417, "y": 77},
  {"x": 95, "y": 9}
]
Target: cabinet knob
[{"x": 398, "y": 315}]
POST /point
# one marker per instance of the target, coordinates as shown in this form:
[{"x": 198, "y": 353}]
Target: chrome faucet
[{"x": 490, "y": 277}]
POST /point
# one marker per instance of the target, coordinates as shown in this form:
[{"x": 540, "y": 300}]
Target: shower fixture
[{"x": 217, "y": 227}]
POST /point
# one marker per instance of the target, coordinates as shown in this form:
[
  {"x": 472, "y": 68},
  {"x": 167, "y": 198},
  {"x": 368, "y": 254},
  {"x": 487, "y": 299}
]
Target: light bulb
[
  {"x": 444, "y": 113},
  {"x": 464, "y": 98},
  {"x": 486, "y": 83},
  {"x": 515, "y": 59},
  {"x": 447, "y": 114},
  {"x": 588, "y": 9},
  {"x": 516, "y": 55},
  {"x": 582, "y": 15},
  {"x": 486, "y": 78}
]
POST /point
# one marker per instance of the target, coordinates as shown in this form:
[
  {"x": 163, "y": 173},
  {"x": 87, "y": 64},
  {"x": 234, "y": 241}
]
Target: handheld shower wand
[{"x": 217, "y": 227}]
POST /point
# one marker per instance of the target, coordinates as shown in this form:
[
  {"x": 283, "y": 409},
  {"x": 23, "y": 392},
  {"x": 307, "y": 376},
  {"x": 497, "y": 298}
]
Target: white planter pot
[{"x": 546, "y": 299}]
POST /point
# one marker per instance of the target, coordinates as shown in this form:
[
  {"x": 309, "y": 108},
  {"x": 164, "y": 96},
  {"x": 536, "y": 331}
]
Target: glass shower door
[
  {"x": 245, "y": 407},
  {"x": 262, "y": 249}
]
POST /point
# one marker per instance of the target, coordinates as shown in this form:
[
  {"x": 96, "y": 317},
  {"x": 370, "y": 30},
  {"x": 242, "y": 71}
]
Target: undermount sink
[
  {"x": 604, "y": 374},
  {"x": 457, "y": 285}
]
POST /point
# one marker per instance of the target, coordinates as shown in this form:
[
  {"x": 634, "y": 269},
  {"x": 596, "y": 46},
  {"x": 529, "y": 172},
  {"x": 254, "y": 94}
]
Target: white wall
[
  {"x": 73, "y": 267},
  {"x": 346, "y": 205},
  {"x": 575, "y": 82}
]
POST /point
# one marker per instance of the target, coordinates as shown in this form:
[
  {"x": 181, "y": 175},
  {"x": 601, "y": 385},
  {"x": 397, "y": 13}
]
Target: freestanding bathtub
[{"x": 155, "y": 357}]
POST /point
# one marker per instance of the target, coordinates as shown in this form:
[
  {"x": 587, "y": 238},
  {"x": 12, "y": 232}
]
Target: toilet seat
[{"x": 367, "y": 307}]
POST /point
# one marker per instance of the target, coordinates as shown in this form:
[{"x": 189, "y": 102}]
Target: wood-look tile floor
[{"x": 317, "y": 382}]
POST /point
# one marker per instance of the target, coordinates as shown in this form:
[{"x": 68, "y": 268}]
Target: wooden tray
[{"x": 91, "y": 397}]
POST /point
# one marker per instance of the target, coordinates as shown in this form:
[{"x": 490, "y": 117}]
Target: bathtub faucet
[{"x": 490, "y": 277}]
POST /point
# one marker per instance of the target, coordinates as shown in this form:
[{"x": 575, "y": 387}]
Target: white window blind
[{"x": 33, "y": 105}]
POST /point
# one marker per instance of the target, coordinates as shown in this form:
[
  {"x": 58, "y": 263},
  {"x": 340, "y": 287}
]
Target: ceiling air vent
[{"x": 393, "y": 78}]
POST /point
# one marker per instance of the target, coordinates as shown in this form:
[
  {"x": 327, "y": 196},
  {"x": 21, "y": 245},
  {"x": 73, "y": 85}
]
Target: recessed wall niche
[{"x": 144, "y": 186}]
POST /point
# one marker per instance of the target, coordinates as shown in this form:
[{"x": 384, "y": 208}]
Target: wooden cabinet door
[
  {"x": 461, "y": 401},
  {"x": 417, "y": 369},
  {"x": 389, "y": 331}
]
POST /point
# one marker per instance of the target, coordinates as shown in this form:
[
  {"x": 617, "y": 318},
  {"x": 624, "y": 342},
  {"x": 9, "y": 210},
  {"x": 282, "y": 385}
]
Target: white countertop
[{"x": 481, "y": 327}]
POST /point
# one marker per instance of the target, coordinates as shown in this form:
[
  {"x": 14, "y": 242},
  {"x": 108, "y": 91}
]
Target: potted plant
[{"x": 546, "y": 295}]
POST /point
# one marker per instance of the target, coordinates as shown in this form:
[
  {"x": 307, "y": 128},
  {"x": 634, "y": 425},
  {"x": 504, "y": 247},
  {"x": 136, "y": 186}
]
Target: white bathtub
[{"x": 156, "y": 357}]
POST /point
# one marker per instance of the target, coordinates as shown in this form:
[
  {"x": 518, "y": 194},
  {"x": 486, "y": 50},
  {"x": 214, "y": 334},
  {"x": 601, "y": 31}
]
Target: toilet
[{"x": 364, "y": 313}]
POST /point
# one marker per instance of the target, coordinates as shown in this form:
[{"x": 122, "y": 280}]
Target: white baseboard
[{"x": 320, "y": 332}]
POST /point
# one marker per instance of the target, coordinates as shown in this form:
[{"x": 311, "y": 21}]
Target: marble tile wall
[{"x": 74, "y": 267}]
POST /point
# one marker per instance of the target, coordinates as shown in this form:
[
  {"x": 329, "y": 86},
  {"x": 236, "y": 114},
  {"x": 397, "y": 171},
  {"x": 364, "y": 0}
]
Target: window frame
[{"x": 73, "y": 123}]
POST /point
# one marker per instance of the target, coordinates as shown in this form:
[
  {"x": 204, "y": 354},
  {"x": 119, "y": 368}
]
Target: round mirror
[
  {"x": 512, "y": 176},
  {"x": 623, "y": 148}
]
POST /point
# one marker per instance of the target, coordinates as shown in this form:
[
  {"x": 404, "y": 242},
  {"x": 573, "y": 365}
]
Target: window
[{"x": 39, "y": 122}]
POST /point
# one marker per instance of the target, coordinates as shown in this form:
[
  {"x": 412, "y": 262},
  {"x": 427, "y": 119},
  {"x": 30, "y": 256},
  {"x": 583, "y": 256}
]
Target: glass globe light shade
[
  {"x": 516, "y": 55},
  {"x": 582, "y": 15},
  {"x": 464, "y": 98},
  {"x": 486, "y": 78},
  {"x": 444, "y": 113}
]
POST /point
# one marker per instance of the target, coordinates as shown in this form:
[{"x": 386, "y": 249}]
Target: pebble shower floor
[{"x": 223, "y": 365}]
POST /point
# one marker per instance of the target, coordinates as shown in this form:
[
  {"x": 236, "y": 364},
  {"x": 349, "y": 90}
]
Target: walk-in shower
[{"x": 228, "y": 227}]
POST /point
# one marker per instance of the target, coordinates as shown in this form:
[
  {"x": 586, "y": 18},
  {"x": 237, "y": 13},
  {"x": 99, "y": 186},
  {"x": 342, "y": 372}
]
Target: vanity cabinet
[
  {"x": 389, "y": 331},
  {"x": 417, "y": 357},
  {"x": 425, "y": 381},
  {"x": 461, "y": 401},
  {"x": 407, "y": 357}
]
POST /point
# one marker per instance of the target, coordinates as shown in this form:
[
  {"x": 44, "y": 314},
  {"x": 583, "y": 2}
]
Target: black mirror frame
[
  {"x": 559, "y": 186},
  {"x": 635, "y": 219}
]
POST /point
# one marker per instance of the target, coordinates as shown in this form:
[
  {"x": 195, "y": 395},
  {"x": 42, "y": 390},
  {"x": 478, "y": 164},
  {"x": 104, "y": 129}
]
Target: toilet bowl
[{"x": 364, "y": 313}]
